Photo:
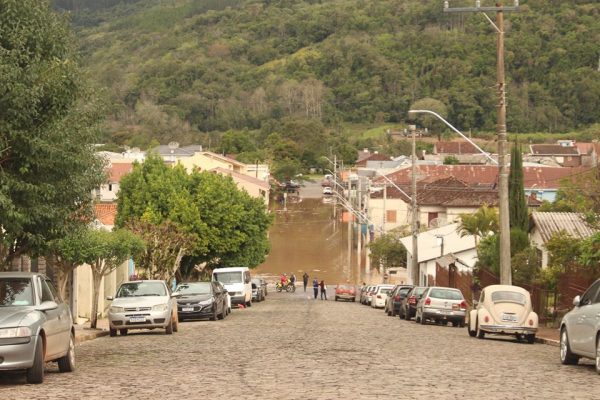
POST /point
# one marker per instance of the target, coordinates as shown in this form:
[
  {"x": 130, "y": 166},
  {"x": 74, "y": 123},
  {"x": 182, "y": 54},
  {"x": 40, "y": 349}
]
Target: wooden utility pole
[
  {"x": 414, "y": 267},
  {"x": 499, "y": 9}
]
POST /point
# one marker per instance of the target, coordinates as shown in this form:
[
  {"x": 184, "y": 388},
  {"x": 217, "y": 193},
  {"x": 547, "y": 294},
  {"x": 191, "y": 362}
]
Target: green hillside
[{"x": 177, "y": 69}]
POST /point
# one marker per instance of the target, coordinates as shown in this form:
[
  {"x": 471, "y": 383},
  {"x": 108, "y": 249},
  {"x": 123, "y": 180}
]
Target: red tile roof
[
  {"x": 585, "y": 148},
  {"x": 106, "y": 213},
  {"x": 455, "y": 147},
  {"x": 117, "y": 170},
  {"x": 538, "y": 177}
]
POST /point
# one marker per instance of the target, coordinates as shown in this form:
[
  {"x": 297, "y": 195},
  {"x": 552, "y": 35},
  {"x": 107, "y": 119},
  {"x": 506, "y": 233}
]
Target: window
[
  {"x": 110, "y": 187},
  {"x": 46, "y": 292},
  {"x": 430, "y": 217},
  {"x": 53, "y": 290},
  {"x": 390, "y": 216},
  {"x": 590, "y": 294},
  {"x": 508, "y": 297}
]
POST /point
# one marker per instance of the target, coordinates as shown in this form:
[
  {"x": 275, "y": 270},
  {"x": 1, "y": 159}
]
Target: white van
[{"x": 237, "y": 282}]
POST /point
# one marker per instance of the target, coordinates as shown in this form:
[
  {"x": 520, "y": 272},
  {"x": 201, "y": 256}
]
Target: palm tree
[{"x": 480, "y": 224}]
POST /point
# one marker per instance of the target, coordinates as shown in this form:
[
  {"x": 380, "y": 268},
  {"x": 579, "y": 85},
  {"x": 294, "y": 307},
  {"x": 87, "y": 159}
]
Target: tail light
[
  {"x": 463, "y": 305},
  {"x": 427, "y": 301},
  {"x": 486, "y": 319},
  {"x": 531, "y": 322},
  {"x": 412, "y": 300}
]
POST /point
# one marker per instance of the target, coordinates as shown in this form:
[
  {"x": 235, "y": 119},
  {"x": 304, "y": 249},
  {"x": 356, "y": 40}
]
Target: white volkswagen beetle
[{"x": 504, "y": 310}]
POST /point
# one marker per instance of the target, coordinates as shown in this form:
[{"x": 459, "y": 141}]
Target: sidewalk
[
  {"x": 549, "y": 336},
  {"x": 84, "y": 332}
]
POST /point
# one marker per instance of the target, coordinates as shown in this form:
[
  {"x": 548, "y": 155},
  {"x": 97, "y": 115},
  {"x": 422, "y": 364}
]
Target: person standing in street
[
  {"x": 305, "y": 280},
  {"x": 323, "y": 290},
  {"x": 316, "y": 287},
  {"x": 293, "y": 279}
]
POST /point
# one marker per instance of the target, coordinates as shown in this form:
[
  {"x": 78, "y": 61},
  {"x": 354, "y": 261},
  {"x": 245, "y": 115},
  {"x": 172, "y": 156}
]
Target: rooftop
[
  {"x": 550, "y": 223},
  {"x": 105, "y": 213},
  {"x": 455, "y": 147},
  {"x": 553, "y": 150}
]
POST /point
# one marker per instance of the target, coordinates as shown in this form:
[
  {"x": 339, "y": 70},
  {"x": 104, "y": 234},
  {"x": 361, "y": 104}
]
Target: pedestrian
[
  {"x": 316, "y": 287},
  {"x": 305, "y": 281},
  {"x": 323, "y": 290},
  {"x": 293, "y": 279}
]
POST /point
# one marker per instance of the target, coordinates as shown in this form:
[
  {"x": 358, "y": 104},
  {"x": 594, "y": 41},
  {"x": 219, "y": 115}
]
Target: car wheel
[
  {"x": 455, "y": 323},
  {"x": 213, "y": 317},
  {"x": 35, "y": 374},
  {"x": 336, "y": 298},
  {"x": 471, "y": 333},
  {"x": 530, "y": 338},
  {"x": 461, "y": 323},
  {"x": 354, "y": 299},
  {"x": 249, "y": 303},
  {"x": 422, "y": 320},
  {"x": 222, "y": 315},
  {"x": 566, "y": 356},
  {"x": 169, "y": 328},
  {"x": 67, "y": 362},
  {"x": 123, "y": 332},
  {"x": 112, "y": 332},
  {"x": 479, "y": 333}
]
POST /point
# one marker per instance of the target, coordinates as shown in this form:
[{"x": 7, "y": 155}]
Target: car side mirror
[
  {"x": 176, "y": 294},
  {"x": 577, "y": 301},
  {"x": 47, "y": 306},
  {"x": 110, "y": 298}
]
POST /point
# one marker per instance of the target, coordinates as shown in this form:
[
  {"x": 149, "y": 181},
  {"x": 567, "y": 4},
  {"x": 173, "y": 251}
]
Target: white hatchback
[{"x": 380, "y": 295}]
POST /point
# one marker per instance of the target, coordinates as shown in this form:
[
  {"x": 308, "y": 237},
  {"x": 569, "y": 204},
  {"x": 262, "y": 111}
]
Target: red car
[{"x": 345, "y": 292}]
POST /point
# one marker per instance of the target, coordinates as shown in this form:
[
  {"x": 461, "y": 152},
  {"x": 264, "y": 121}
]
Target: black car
[
  {"x": 201, "y": 300},
  {"x": 408, "y": 305},
  {"x": 394, "y": 300}
]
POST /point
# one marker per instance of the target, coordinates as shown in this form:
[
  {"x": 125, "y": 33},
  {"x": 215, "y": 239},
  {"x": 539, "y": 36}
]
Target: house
[
  {"x": 253, "y": 186},
  {"x": 437, "y": 243},
  {"x": 207, "y": 161},
  {"x": 464, "y": 151},
  {"x": 173, "y": 152},
  {"x": 564, "y": 154},
  {"x": 366, "y": 156},
  {"x": 543, "y": 181},
  {"x": 107, "y": 192},
  {"x": 544, "y": 225}
]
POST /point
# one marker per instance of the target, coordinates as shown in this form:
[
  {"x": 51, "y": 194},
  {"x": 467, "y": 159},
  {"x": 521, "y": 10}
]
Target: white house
[{"x": 439, "y": 242}]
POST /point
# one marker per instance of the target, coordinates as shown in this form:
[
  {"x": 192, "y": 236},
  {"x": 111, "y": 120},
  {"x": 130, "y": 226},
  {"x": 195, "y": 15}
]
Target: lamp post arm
[{"x": 455, "y": 130}]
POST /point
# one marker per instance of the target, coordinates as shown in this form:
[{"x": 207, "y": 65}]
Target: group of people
[{"x": 316, "y": 284}]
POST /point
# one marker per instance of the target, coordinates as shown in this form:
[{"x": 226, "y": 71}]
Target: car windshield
[
  {"x": 139, "y": 289},
  {"x": 194, "y": 288},
  {"x": 344, "y": 287},
  {"x": 385, "y": 290},
  {"x": 404, "y": 290},
  {"x": 15, "y": 292},
  {"x": 228, "y": 277},
  {"x": 447, "y": 294},
  {"x": 508, "y": 297},
  {"x": 418, "y": 291}
]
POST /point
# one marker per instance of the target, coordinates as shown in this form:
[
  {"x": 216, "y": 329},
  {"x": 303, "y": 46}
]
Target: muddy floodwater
[{"x": 306, "y": 237}]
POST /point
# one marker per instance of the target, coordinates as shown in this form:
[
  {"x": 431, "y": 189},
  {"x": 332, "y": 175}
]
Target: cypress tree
[{"x": 516, "y": 193}]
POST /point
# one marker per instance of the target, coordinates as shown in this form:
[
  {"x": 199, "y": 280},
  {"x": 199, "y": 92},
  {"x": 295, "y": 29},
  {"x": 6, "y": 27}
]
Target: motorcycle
[{"x": 289, "y": 287}]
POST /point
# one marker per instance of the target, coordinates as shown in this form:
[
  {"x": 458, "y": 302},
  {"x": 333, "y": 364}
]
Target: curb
[
  {"x": 84, "y": 337},
  {"x": 550, "y": 342}
]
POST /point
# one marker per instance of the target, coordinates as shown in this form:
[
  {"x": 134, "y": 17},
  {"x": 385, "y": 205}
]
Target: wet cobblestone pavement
[{"x": 290, "y": 347}]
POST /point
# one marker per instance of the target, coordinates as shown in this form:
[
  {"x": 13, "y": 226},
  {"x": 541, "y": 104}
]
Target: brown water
[{"x": 306, "y": 237}]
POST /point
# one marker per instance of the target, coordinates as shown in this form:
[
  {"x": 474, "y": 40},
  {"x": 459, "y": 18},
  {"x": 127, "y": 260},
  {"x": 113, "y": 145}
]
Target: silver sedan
[{"x": 35, "y": 326}]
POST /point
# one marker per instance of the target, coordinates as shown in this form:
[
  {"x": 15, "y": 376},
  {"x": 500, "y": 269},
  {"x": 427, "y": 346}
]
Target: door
[
  {"x": 583, "y": 320},
  {"x": 54, "y": 326}
]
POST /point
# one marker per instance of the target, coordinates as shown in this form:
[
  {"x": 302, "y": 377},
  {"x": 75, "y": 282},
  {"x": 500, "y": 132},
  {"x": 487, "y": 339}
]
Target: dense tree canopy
[
  {"x": 47, "y": 163},
  {"x": 175, "y": 69}
]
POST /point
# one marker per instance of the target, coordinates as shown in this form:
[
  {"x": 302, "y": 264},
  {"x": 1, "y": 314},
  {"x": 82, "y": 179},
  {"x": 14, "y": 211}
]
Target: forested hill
[{"x": 177, "y": 67}]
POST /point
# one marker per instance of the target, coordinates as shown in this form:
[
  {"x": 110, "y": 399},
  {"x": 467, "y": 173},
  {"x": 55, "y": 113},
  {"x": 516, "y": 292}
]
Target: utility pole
[
  {"x": 414, "y": 266},
  {"x": 499, "y": 9},
  {"x": 359, "y": 230},
  {"x": 367, "y": 249}
]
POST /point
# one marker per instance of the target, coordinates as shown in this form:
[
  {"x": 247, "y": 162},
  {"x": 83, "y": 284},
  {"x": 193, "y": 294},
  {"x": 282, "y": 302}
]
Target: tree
[
  {"x": 48, "y": 167},
  {"x": 451, "y": 160},
  {"x": 516, "y": 193},
  {"x": 104, "y": 252},
  {"x": 427, "y": 120},
  {"x": 564, "y": 253},
  {"x": 387, "y": 251},
  {"x": 480, "y": 224},
  {"x": 165, "y": 246}
]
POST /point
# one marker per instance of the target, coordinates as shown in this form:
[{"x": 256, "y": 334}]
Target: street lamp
[{"x": 499, "y": 9}]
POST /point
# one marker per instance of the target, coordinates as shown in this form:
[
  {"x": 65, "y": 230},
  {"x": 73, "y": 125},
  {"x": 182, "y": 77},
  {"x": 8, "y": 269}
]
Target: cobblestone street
[{"x": 292, "y": 347}]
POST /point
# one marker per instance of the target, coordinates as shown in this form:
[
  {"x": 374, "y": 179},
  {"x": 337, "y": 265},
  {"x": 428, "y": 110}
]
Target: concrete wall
[{"x": 376, "y": 210}]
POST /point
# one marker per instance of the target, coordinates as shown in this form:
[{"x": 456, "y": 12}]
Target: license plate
[
  {"x": 137, "y": 319},
  {"x": 509, "y": 318},
  {"x": 187, "y": 309}
]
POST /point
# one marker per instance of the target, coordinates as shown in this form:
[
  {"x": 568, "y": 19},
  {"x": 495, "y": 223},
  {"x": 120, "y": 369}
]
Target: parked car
[
  {"x": 143, "y": 305},
  {"x": 442, "y": 305},
  {"x": 259, "y": 289},
  {"x": 408, "y": 306},
  {"x": 36, "y": 326},
  {"x": 505, "y": 310},
  {"x": 580, "y": 328},
  {"x": 345, "y": 292},
  {"x": 368, "y": 294},
  {"x": 327, "y": 191},
  {"x": 237, "y": 281},
  {"x": 363, "y": 294},
  {"x": 380, "y": 294},
  {"x": 394, "y": 299},
  {"x": 201, "y": 300}
]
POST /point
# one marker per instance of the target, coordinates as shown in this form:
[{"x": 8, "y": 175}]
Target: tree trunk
[{"x": 97, "y": 278}]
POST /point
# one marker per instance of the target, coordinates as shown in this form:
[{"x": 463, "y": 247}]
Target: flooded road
[{"x": 306, "y": 237}]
